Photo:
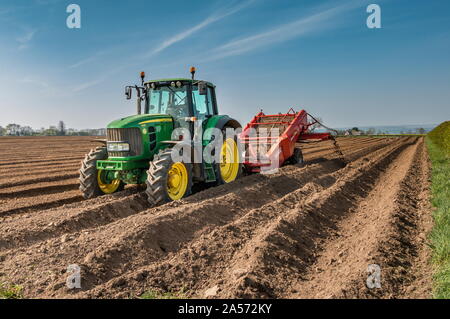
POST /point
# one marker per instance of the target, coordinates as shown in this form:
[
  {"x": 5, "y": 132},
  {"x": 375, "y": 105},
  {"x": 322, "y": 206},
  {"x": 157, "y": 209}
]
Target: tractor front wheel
[
  {"x": 168, "y": 180},
  {"x": 95, "y": 182}
]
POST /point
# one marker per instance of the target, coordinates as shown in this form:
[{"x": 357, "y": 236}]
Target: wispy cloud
[
  {"x": 315, "y": 22},
  {"x": 87, "y": 60},
  {"x": 94, "y": 82},
  {"x": 87, "y": 85},
  {"x": 211, "y": 19},
  {"x": 164, "y": 45},
  {"x": 35, "y": 82},
  {"x": 25, "y": 39},
  {"x": 82, "y": 62}
]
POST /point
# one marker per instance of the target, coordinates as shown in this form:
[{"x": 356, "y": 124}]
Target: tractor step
[{"x": 210, "y": 173}]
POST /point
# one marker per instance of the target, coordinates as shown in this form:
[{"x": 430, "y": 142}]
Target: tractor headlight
[{"x": 118, "y": 147}]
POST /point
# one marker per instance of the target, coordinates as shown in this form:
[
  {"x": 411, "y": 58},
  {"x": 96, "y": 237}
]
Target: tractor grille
[{"x": 131, "y": 136}]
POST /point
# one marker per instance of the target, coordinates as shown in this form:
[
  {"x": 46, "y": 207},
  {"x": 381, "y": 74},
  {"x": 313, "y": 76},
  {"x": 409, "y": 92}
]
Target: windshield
[{"x": 168, "y": 100}]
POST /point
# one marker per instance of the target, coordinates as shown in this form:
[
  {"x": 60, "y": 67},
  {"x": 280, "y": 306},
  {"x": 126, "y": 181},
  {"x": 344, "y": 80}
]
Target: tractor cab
[{"x": 185, "y": 100}]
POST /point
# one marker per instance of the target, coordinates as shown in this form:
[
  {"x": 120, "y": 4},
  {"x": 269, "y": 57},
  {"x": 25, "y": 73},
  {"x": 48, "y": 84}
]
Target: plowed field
[{"x": 308, "y": 231}]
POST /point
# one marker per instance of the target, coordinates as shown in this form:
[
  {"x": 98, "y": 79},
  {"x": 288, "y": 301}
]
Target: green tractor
[{"x": 138, "y": 148}]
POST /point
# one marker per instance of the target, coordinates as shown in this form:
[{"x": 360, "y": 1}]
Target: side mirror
[
  {"x": 128, "y": 92},
  {"x": 202, "y": 88}
]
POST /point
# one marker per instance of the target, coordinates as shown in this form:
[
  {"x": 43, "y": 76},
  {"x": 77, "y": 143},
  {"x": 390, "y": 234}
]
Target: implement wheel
[
  {"x": 95, "y": 182},
  {"x": 168, "y": 180},
  {"x": 296, "y": 158}
]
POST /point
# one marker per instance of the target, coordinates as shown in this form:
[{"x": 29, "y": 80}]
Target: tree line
[
  {"x": 61, "y": 130},
  {"x": 58, "y": 130},
  {"x": 373, "y": 131}
]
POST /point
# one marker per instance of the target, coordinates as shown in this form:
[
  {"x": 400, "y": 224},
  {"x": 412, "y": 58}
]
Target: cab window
[
  {"x": 202, "y": 103},
  {"x": 169, "y": 100},
  {"x": 158, "y": 100}
]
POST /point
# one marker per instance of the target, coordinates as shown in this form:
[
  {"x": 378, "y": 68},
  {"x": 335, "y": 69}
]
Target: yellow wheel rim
[
  {"x": 229, "y": 161},
  {"x": 177, "y": 181},
  {"x": 105, "y": 187}
]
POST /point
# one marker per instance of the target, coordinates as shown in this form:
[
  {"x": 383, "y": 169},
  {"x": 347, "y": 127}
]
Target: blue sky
[{"x": 316, "y": 55}]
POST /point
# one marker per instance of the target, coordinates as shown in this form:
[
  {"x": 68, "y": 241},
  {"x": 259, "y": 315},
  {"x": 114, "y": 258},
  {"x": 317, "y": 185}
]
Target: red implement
[{"x": 270, "y": 140}]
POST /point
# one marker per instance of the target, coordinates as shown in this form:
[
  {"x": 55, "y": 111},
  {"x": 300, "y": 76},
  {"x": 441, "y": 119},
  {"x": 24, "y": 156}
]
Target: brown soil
[{"x": 307, "y": 231}]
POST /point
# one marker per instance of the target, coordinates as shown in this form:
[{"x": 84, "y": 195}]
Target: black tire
[
  {"x": 157, "y": 177},
  {"x": 219, "y": 179},
  {"x": 296, "y": 158},
  {"x": 88, "y": 173}
]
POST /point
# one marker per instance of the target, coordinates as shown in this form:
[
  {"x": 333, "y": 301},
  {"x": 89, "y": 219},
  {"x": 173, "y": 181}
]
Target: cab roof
[{"x": 178, "y": 79}]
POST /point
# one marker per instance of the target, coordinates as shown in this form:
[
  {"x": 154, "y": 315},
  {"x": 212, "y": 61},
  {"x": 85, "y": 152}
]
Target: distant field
[{"x": 381, "y": 135}]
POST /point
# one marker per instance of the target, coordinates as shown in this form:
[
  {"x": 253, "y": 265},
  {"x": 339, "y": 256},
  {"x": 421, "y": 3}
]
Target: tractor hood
[{"x": 139, "y": 120}]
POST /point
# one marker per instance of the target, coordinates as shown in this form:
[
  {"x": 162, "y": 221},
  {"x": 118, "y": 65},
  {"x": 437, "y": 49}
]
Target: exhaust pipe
[
  {"x": 138, "y": 100},
  {"x": 138, "y": 105}
]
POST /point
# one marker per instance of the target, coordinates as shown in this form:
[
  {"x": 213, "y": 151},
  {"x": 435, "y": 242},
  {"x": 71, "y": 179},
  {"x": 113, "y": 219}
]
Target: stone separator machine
[{"x": 269, "y": 141}]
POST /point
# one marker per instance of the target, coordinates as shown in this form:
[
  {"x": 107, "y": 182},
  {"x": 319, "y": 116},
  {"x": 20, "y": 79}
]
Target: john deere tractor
[{"x": 138, "y": 148}]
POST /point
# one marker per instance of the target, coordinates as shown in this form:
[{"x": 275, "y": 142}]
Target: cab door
[
  {"x": 179, "y": 107},
  {"x": 203, "y": 108},
  {"x": 203, "y": 104}
]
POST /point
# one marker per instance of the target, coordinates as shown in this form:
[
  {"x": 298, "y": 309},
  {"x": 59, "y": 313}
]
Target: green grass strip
[{"x": 440, "y": 235}]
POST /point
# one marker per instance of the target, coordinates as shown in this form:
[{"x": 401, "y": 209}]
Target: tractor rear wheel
[
  {"x": 296, "y": 158},
  {"x": 94, "y": 182},
  {"x": 168, "y": 180},
  {"x": 230, "y": 167}
]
